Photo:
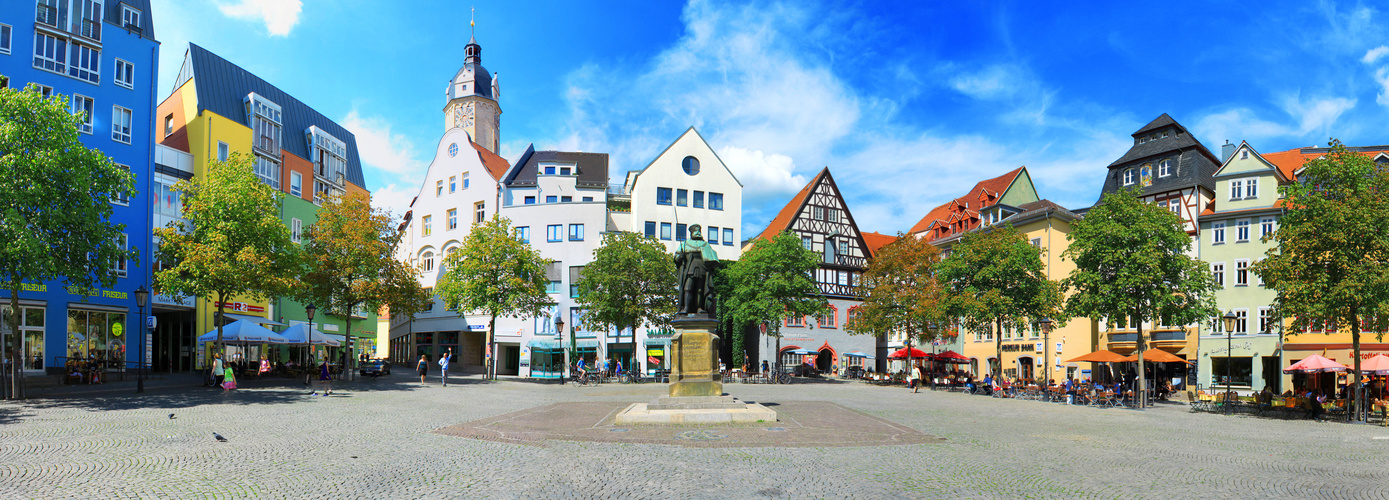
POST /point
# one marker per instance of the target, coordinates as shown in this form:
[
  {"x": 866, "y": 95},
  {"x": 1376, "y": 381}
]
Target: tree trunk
[
  {"x": 998, "y": 349},
  {"x": 221, "y": 305},
  {"x": 776, "y": 362},
  {"x": 489, "y": 371},
  {"x": 1356, "y": 394},
  {"x": 1141, "y": 397},
  {"x": 347, "y": 349},
  {"x": 11, "y": 348}
]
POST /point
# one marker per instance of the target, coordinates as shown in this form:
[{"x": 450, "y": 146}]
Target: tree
[
  {"x": 996, "y": 278},
  {"x": 630, "y": 283},
  {"x": 496, "y": 273},
  {"x": 1331, "y": 262},
  {"x": 1131, "y": 266},
  {"x": 901, "y": 292},
  {"x": 55, "y": 208},
  {"x": 231, "y": 242},
  {"x": 773, "y": 280},
  {"x": 349, "y": 262}
]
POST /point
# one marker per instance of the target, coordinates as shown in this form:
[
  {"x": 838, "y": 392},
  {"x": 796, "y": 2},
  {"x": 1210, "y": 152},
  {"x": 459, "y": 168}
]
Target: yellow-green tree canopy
[
  {"x": 233, "y": 242},
  {"x": 629, "y": 284},
  {"x": 773, "y": 280},
  {"x": 901, "y": 292}
]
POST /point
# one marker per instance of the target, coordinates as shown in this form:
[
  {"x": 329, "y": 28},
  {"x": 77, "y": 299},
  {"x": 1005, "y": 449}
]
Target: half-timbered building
[
  {"x": 1171, "y": 168},
  {"x": 819, "y": 216}
]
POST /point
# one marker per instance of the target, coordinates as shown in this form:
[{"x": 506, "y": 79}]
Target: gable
[{"x": 690, "y": 143}]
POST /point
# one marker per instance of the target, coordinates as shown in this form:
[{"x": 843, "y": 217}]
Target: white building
[
  {"x": 686, "y": 184},
  {"x": 557, "y": 202},
  {"x": 461, "y": 188}
]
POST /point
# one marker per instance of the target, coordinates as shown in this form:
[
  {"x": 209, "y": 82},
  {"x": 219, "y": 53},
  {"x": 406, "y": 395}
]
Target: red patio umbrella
[
  {"x": 951, "y": 357},
  {"x": 1378, "y": 365},
  {"x": 902, "y": 354},
  {"x": 1315, "y": 364}
]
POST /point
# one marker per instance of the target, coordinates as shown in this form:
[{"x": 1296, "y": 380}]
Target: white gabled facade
[{"x": 665, "y": 197}]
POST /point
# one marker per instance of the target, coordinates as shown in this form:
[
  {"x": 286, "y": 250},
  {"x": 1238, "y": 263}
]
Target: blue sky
[{"x": 908, "y": 103}]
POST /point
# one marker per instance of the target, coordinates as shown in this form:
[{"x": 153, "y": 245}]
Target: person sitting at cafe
[{"x": 1314, "y": 401}]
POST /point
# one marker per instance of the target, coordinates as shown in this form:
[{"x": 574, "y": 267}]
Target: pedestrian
[
  {"x": 264, "y": 367},
  {"x": 444, "y": 367},
  {"x": 916, "y": 378},
  {"x": 216, "y": 369},
  {"x": 422, "y": 367},
  {"x": 230, "y": 382}
]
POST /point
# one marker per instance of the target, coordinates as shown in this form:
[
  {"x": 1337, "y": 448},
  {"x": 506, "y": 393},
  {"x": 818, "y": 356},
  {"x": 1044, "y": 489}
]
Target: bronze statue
[{"x": 694, "y": 260}]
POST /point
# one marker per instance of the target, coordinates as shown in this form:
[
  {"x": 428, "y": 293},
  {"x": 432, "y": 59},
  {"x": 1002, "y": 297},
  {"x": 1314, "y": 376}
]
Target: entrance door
[
  {"x": 1273, "y": 377},
  {"x": 825, "y": 360},
  {"x": 1025, "y": 367},
  {"x": 511, "y": 360}
]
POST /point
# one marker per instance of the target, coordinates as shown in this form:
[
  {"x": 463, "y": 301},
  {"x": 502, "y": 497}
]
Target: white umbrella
[
  {"x": 244, "y": 332},
  {"x": 301, "y": 334}
]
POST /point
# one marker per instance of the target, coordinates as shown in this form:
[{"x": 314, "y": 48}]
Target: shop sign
[
  {"x": 93, "y": 292},
  {"x": 33, "y": 287},
  {"x": 477, "y": 328},
  {"x": 655, "y": 352},
  {"x": 1246, "y": 345},
  {"x": 239, "y": 307},
  {"x": 1014, "y": 347},
  {"x": 328, "y": 327}
]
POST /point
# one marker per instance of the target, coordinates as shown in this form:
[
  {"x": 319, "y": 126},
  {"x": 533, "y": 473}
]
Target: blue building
[{"x": 102, "y": 56}]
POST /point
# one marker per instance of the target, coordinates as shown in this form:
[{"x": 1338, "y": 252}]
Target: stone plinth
[
  {"x": 672, "y": 413},
  {"x": 695, "y": 358}
]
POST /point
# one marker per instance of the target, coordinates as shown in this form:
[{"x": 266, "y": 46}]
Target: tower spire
[{"x": 472, "y": 22}]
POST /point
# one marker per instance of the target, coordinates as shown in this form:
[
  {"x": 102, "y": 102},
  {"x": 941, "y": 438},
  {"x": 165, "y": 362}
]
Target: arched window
[
  {"x": 427, "y": 261},
  {"x": 691, "y": 165}
]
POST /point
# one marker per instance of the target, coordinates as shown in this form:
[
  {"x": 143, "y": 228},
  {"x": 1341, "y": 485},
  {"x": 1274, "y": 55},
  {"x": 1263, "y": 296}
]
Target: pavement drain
[
  {"x": 776, "y": 429},
  {"x": 618, "y": 430}
]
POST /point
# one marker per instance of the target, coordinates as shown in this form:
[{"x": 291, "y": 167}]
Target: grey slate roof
[
  {"x": 223, "y": 87},
  {"x": 478, "y": 79},
  {"x": 592, "y": 167},
  {"x": 112, "y": 15},
  {"x": 1193, "y": 164}
]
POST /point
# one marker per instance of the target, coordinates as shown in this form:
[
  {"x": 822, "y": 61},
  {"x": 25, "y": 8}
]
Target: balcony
[
  {"x": 89, "y": 29},
  {"x": 1123, "y": 337},
  {"x": 1178, "y": 336},
  {"x": 47, "y": 15}
]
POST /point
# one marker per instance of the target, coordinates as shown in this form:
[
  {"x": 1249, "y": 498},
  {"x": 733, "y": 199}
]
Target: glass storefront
[
  {"x": 31, "y": 329},
  {"x": 97, "y": 335}
]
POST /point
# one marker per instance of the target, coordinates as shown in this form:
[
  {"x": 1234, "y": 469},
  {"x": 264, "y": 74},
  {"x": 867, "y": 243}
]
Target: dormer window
[
  {"x": 1143, "y": 140},
  {"x": 130, "y": 17},
  {"x": 1164, "y": 168},
  {"x": 264, "y": 116}
]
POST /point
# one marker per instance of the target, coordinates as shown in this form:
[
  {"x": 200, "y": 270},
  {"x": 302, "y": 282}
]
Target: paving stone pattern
[{"x": 383, "y": 439}]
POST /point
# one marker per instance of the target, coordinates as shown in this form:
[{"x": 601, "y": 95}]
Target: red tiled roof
[
  {"x": 994, "y": 186},
  {"x": 1288, "y": 161},
  {"x": 876, "y": 241},
  {"x": 782, "y": 221},
  {"x": 496, "y": 165}
]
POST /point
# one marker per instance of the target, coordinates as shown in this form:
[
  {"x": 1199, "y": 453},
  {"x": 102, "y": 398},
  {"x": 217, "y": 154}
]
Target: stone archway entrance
[{"x": 825, "y": 361}]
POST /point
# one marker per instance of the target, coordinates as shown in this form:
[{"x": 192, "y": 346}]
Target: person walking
[
  {"x": 229, "y": 382},
  {"x": 422, "y": 367},
  {"x": 217, "y": 370},
  {"x": 444, "y": 366},
  {"x": 916, "y": 378}
]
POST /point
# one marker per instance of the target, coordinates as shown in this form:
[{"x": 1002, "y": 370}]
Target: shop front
[
  {"x": 548, "y": 357},
  {"x": 657, "y": 352}
]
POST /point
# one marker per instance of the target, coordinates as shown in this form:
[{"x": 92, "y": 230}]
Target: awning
[
  {"x": 856, "y": 354},
  {"x": 252, "y": 319},
  {"x": 658, "y": 341},
  {"x": 554, "y": 345}
]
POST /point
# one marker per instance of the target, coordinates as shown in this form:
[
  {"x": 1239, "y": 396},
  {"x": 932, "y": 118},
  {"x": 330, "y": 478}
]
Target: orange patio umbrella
[
  {"x": 1157, "y": 356},
  {"x": 1100, "y": 356}
]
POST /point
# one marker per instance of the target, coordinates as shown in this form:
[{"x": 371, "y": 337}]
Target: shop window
[{"x": 1239, "y": 369}]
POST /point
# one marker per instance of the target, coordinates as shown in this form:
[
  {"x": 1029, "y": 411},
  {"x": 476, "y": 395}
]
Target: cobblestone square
[{"x": 382, "y": 439}]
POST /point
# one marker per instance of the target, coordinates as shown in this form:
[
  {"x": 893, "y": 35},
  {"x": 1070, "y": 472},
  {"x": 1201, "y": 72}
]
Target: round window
[
  {"x": 453, "y": 149},
  {"x": 691, "y": 165}
]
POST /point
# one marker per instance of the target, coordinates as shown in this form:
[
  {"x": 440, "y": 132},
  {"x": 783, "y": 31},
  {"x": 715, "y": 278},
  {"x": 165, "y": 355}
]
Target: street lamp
[
  {"x": 308, "y": 337},
  {"x": 559, "y": 341},
  {"x": 142, "y": 297},
  {"x": 1230, "y": 320},
  {"x": 1045, "y": 324}
]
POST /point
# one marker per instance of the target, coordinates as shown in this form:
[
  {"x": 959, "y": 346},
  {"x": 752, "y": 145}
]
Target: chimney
[{"x": 1226, "y": 151}]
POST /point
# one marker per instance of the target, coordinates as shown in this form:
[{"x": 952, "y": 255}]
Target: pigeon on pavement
[
  {"x": 171, "y": 416},
  {"x": 219, "y": 437}
]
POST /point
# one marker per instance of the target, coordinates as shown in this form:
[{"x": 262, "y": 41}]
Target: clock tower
[{"x": 471, "y": 100}]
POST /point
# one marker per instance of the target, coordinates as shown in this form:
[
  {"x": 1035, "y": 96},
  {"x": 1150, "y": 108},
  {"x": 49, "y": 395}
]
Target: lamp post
[
  {"x": 559, "y": 340},
  {"x": 142, "y": 297},
  {"x": 1045, "y": 324},
  {"x": 309, "y": 310},
  {"x": 1230, "y": 320}
]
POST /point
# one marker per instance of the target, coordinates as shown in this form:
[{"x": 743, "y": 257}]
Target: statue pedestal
[
  {"x": 694, "y": 355},
  {"x": 696, "y": 386}
]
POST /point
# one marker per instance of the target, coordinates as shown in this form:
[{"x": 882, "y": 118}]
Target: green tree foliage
[
  {"x": 1331, "y": 263},
  {"x": 901, "y": 292},
  {"x": 496, "y": 273},
  {"x": 55, "y": 208},
  {"x": 349, "y": 262},
  {"x": 1131, "y": 267},
  {"x": 996, "y": 279},
  {"x": 629, "y": 284},
  {"x": 233, "y": 242},
  {"x": 773, "y": 280}
]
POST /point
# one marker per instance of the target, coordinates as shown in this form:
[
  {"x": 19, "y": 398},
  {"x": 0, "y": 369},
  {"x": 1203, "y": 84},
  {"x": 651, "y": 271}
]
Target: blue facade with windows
[{"x": 102, "y": 56}]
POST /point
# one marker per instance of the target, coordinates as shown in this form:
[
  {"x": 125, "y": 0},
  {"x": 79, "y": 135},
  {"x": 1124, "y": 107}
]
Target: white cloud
[
  {"x": 994, "y": 82},
  {"x": 379, "y": 148},
  {"x": 762, "y": 174},
  {"x": 1375, "y": 54},
  {"x": 1237, "y": 125},
  {"x": 394, "y": 198},
  {"x": 279, "y": 16},
  {"x": 1316, "y": 115}
]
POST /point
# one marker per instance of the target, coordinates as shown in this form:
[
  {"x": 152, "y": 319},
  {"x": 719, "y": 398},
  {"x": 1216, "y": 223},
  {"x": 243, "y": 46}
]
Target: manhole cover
[
  {"x": 777, "y": 429},
  {"x": 700, "y": 435},
  {"x": 618, "y": 430}
]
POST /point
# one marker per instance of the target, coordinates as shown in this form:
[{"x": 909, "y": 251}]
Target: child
[{"x": 230, "y": 382}]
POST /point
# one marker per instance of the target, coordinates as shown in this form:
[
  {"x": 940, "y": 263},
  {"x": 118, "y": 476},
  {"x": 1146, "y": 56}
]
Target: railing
[
  {"x": 618, "y": 190},
  {"x": 1123, "y": 337},
  {"x": 47, "y": 15},
  {"x": 90, "y": 29},
  {"x": 1169, "y": 335}
]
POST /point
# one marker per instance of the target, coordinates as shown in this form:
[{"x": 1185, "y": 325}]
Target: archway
[{"x": 825, "y": 361}]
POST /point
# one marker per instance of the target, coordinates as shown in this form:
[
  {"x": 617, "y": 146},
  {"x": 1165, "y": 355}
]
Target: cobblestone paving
[{"x": 377, "y": 439}]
